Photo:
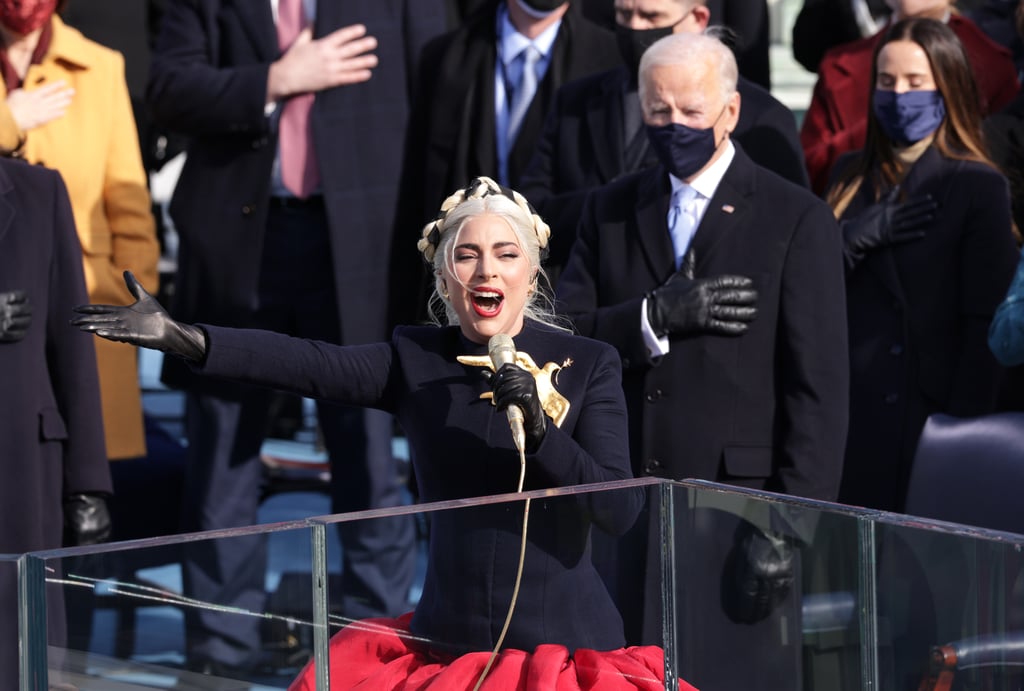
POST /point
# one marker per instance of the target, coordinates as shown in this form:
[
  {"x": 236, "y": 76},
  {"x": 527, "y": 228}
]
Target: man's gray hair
[{"x": 685, "y": 49}]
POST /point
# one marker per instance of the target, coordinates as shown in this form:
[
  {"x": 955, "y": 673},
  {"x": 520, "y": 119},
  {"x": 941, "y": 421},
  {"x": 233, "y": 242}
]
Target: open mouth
[{"x": 487, "y": 302}]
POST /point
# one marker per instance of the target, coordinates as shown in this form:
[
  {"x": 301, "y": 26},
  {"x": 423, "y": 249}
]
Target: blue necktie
[
  {"x": 524, "y": 91},
  {"x": 682, "y": 220}
]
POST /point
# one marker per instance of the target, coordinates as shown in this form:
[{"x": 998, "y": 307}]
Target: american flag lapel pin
[{"x": 728, "y": 208}]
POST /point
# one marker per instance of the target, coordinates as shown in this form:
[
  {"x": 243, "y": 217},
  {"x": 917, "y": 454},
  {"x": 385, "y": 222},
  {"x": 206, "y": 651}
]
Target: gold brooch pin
[{"x": 554, "y": 404}]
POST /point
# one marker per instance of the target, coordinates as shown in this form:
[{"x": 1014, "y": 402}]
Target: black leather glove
[
  {"x": 723, "y": 305},
  {"x": 759, "y": 574},
  {"x": 15, "y": 315},
  {"x": 886, "y": 223},
  {"x": 512, "y": 385},
  {"x": 143, "y": 323},
  {"x": 86, "y": 519}
]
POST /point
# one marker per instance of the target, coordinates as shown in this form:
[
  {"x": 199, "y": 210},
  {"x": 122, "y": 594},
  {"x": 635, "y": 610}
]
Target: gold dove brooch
[{"x": 555, "y": 405}]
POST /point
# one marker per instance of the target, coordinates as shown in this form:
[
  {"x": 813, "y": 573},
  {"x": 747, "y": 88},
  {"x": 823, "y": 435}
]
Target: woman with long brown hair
[{"x": 930, "y": 251}]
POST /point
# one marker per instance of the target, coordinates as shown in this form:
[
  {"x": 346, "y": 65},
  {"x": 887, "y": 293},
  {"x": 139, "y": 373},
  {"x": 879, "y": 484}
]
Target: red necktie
[{"x": 299, "y": 172}]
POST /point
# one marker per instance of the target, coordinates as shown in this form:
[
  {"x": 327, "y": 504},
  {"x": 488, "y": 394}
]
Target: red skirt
[{"x": 375, "y": 655}]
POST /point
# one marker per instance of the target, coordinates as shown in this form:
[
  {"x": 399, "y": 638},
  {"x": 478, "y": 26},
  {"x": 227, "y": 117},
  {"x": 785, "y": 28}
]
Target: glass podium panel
[
  {"x": 119, "y": 617},
  {"x": 762, "y": 590},
  {"x": 564, "y": 580},
  {"x": 684, "y": 581},
  {"x": 950, "y": 606},
  {"x": 157, "y": 613}
]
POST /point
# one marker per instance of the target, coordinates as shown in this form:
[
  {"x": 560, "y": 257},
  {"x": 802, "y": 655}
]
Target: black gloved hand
[
  {"x": 143, "y": 323},
  {"x": 723, "y": 305},
  {"x": 15, "y": 315},
  {"x": 512, "y": 385},
  {"x": 86, "y": 519},
  {"x": 759, "y": 574},
  {"x": 886, "y": 223}
]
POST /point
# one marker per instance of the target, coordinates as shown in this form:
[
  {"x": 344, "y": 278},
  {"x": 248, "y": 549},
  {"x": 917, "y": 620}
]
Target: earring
[{"x": 444, "y": 289}]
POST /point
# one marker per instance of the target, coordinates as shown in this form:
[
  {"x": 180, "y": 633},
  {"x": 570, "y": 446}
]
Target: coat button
[
  {"x": 626, "y": 363},
  {"x": 259, "y": 143},
  {"x": 892, "y": 398},
  {"x": 247, "y": 209},
  {"x": 896, "y": 349},
  {"x": 652, "y": 466}
]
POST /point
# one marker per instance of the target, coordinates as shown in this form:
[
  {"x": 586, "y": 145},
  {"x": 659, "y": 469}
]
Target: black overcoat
[
  {"x": 461, "y": 447},
  {"x": 919, "y": 314},
  {"x": 765, "y": 410},
  {"x": 51, "y": 428},
  {"x": 209, "y": 80}
]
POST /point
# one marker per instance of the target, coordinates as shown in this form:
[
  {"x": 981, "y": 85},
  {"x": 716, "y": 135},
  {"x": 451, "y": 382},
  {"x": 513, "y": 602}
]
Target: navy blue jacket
[
  {"x": 461, "y": 447},
  {"x": 765, "y": 410},
  {"x": 919, "y": 314},
  {"x": 208, "y": 80}
]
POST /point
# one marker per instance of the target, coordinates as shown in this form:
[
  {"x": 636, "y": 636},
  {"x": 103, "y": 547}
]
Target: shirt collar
[
  {"x": 512, "y": 42},
  {"x": 707, "y": 182}
]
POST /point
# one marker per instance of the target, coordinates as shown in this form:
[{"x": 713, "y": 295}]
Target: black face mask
[
  {"x": 544, "y": 5},
  {"x": 633, "y": 43}
]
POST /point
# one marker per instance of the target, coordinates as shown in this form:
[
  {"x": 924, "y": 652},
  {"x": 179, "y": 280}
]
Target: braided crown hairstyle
[{"x": 485, "y": 196}]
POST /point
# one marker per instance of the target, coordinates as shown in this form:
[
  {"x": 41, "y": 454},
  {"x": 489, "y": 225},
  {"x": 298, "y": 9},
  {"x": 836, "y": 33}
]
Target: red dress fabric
[{"x": 376, "y": 655}]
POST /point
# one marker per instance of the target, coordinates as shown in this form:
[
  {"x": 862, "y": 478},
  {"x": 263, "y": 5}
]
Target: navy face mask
[
  {"x": 911, "y": 116},
  {"x": 633, "y": 42},
  {"x": 683, "y": 150}
]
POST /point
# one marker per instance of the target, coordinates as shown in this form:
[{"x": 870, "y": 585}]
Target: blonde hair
[{"x": 484, "y": 196}]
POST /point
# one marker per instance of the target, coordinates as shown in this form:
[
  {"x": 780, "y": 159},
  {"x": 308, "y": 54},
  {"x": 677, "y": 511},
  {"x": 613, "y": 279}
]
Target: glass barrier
[
  {"x": 132, "y": 626},
  {"x": 690, "y": 582},
  {"x": 543, "y": 599},
  {"x": 776, "y": 592},
  {"x": 950, "y": 606}
]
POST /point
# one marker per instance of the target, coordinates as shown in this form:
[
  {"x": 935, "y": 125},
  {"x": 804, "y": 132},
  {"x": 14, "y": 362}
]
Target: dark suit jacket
[
  {"x": 919, "y": 315},
  {"x": 461, "y": 447},
  {"x": 209, "y": 80},
  {"x": 51, "y": 439},
  {"x": 764, "y": 410},
  {"x": 582, "y": 147},
  {"x": 451, "y": 135},
  {"x": 836, "y": 120}
]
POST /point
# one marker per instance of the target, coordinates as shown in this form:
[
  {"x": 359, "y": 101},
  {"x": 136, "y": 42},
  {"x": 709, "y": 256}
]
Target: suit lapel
[
  {"x": 604, "y": 125},
  {"x": 258, "y": 20},
  {"x": 727, "y": 209},
  {"x": 651, "y": 218}
]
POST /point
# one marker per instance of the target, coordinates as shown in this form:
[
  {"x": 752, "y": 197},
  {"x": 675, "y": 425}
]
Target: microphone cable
[{"x": 519, "y": 572}]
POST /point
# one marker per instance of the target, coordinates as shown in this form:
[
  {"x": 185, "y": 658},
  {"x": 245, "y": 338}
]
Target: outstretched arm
[{"x": 144, "y": 323}]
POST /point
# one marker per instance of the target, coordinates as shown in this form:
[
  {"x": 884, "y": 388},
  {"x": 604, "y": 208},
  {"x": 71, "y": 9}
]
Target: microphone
[{"x": 502, "y": 351}]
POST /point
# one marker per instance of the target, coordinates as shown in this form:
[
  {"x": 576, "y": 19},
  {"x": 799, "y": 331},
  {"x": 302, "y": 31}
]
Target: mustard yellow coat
[{"x": 95, "y": 147}]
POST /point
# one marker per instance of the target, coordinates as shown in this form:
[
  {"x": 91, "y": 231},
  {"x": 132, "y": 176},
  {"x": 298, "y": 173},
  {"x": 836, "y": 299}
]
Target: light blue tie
[
  {"x": 524, "y": 91},
  {"x": 682, "y": 220}
]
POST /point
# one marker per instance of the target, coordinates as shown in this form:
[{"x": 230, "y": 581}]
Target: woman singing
[{"x": 485, "y": 249}]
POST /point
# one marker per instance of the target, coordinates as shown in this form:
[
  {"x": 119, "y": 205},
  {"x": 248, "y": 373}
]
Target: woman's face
[
  {"x": 488, "y": 277},
  {"x": 903, "y": 66},
  {"x": 932, "y": 9},
  {"x": 25, "y": 16}
]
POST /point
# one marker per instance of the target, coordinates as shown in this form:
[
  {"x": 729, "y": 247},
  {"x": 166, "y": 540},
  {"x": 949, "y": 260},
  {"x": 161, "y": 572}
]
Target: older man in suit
[
  {"x": 285, "y": 210},
  {"x": 594, "y": 132},
  {"x": 721, "y": 285}
]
